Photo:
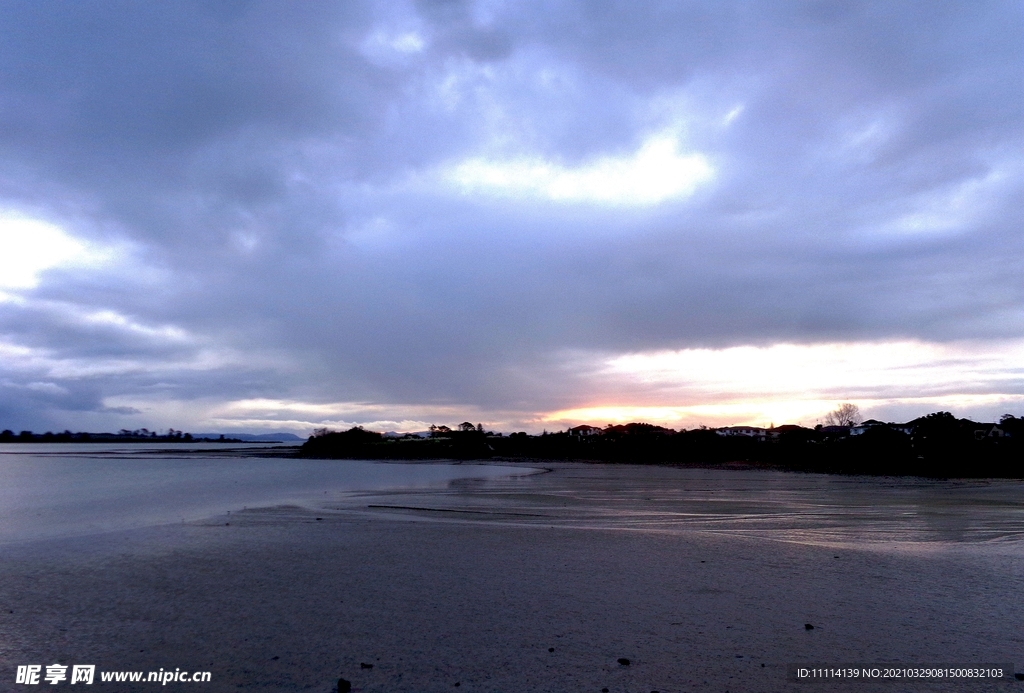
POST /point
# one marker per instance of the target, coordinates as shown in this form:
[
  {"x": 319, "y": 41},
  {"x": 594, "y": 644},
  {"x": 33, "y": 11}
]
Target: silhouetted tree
[{"x": 846, "y": 414}]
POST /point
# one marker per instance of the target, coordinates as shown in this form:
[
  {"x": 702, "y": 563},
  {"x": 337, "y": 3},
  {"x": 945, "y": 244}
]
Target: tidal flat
[{"x": 539, "y": 578}]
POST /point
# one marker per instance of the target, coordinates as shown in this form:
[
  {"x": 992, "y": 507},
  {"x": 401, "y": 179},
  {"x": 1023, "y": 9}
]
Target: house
[
  {"x": 746, "y": 431},
  {"x": 860, "y": 429},
  {"x": 836, "y": 431},
  {"x": 585, "y": 431},
  {"x": 989, "y": 431},
  {"x": 789, "y": 431}
]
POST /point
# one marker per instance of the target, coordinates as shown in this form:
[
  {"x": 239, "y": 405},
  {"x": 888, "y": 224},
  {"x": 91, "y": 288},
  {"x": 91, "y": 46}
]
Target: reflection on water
[
  {"x": 71, "y": 489},
  {"x": 76, "y": 489},
  {"x": 809, "y": 508}
]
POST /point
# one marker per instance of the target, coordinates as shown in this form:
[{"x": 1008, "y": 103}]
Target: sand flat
[{"x": 703, "y": 579}]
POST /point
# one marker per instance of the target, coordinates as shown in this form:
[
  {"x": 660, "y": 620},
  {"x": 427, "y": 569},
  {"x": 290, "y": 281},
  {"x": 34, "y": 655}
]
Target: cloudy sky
[{"x": 252, "y": 216}]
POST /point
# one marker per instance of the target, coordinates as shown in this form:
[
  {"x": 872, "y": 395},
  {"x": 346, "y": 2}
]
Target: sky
[{"x": 276, "y": 216}]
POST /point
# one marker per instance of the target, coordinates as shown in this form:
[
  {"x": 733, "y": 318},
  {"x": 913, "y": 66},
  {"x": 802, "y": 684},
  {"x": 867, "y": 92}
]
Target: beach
[{"x": 702, "y": 579}]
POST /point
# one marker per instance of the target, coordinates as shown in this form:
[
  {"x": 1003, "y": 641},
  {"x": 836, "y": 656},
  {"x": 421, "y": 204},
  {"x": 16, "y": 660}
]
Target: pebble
[
  {"x": 623, "y": 661},
  {"x": 364, "y": 665},
  {"x": 551, "y": 649},
  {"x": 808, "y": 626},
  {"x": 344, "y": 686}
]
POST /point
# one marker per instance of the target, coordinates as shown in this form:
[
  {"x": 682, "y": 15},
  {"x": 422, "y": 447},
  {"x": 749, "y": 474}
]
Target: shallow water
[
  {"x": 786, "y": 506},
  {"x": 61, "y": 490}
]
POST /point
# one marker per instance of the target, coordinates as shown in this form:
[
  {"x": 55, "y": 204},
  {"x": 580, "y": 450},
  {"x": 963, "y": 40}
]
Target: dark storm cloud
[{"x": 278, "y": 171}]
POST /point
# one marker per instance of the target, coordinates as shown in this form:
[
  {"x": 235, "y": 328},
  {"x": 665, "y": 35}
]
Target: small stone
[
  {"x": 319, "y": 518},
  {"x": 364, "y": 665},
  {"x": 551, "y": 649},
  {"x": 623, "y": 661},
  {"x": 1019, "y": 677},
  {"x": 762, "y": 665},
  {"x": 275, "y": 658},
  {"x": 604, "y": 690},
  {"x": 227, "y": 524},
  {"x": 344, "y": 686},
  {"x": 808, "y": 626},
  {"x": 458, "y": 683}
]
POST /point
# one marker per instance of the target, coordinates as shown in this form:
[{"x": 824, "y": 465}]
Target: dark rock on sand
[
  {"x": 344, "y": 686},
  {"x": 808, "y": 626},
  {"x": 364, "y": 665},
  {"x": 623, "y": 661},
  {"x": 551, "y": 649}
]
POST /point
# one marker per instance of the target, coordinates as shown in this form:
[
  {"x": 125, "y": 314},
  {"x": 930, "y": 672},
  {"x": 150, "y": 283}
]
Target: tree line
[
  {"x": 938, "y": 445},
  {"x": 140, "y": 435}
]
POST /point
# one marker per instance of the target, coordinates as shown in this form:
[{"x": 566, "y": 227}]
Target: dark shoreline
[{"x": 939, "y": 446}]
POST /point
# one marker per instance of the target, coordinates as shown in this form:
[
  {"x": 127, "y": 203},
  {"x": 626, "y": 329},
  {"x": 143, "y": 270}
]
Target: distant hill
[{"x": 253, "y": 437}]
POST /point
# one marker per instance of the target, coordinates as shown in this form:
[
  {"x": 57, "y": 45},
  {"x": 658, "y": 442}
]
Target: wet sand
[{"x": 475, "y": 583}]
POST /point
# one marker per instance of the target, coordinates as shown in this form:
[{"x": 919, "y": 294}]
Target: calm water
[
  {"x": 76, "y": 489},
  {"x": 785, "y": 506},
  {"x": 73, "y": 489}
]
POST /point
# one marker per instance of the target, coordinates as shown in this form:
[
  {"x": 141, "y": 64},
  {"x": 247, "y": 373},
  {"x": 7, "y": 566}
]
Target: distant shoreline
[
  {"x": 144, "y": 436},
  {"x": 936, "y": 446},
  {"x": 98, "y": 438}
]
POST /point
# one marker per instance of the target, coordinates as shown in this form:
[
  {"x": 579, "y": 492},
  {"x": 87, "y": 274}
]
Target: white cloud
[
  {"x": 387, "y": 46},
  {"x": 111, "y": 318},
  {"x": 732, "y": 115},
  {"x": 827, "y": 368},
  {"x": 655, "y": 173},
  {"x": 28, "y": 247},
  {"x": 953, "y": 209},
  {"x": 47, "y": 388},
  {"x": 47, "y": 363},
  {"x": 265, "y": 414}
]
